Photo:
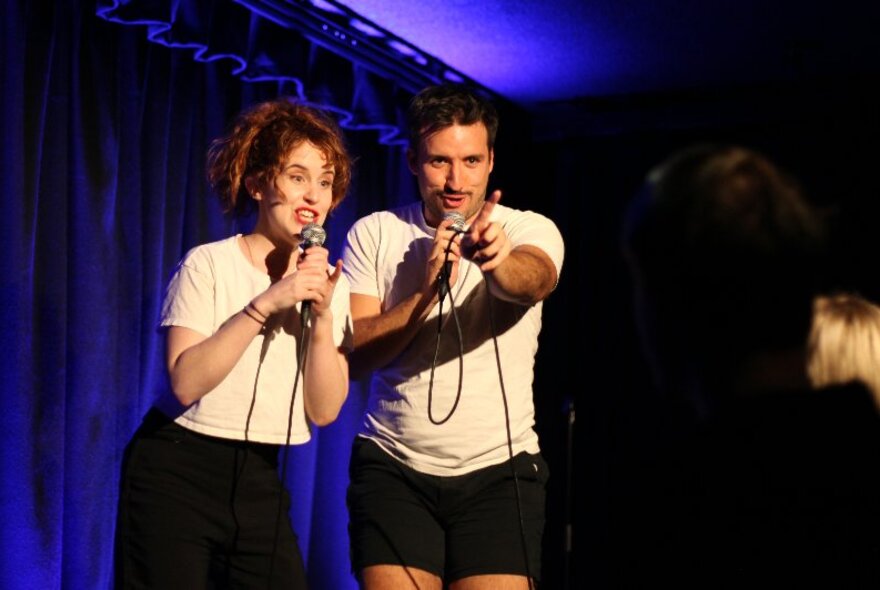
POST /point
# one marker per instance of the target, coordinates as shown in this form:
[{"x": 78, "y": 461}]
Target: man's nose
[{"x": 453, "y": 178}]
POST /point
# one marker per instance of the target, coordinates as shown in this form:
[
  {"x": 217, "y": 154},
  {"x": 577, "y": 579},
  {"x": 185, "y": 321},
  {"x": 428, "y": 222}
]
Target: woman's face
[{"x": 302, "y": 193}]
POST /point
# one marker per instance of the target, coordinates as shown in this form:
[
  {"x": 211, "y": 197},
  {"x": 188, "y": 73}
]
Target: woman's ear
[{"x": 253, "y": 188}]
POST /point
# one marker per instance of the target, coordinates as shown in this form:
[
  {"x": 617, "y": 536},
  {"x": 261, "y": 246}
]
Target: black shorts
[{"x": 453, "y": 527}]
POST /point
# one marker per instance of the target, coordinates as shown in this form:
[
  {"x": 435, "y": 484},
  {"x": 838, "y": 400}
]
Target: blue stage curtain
[
  {"x": 255, "y": 48},
  {"x": 102, "y": 172}
]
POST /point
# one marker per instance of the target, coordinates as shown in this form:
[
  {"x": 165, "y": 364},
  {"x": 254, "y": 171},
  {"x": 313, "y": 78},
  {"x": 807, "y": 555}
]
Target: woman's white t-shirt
[{"x": 212, "y": 283}]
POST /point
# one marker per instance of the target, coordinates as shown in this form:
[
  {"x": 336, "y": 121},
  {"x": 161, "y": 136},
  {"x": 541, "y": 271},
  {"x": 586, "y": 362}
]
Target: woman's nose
[{"x": 311, "y": 194}]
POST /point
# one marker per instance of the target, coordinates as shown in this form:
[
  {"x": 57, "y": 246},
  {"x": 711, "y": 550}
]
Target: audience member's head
[
  {"x": 844, "y": 343},
  {"x": 726, "y": 259}
]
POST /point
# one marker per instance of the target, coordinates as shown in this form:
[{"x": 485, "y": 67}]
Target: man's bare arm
[
  {"x": 380, "y": 337},
  {"x": 526, "y": 276}
]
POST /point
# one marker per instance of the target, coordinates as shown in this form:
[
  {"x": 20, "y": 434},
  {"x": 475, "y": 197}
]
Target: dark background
[{"x": 104, "y": 127}]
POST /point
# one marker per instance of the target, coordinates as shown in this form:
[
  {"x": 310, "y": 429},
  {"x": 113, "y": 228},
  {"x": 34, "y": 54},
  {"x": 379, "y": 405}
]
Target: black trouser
[{"x": 200, "y": 512}]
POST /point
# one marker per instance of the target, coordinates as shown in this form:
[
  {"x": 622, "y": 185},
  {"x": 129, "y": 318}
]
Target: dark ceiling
[{"x": 540, "y": 51}]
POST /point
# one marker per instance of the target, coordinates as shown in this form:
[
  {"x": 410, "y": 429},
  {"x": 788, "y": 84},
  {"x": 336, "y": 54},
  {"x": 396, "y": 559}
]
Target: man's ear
[{"x": 412, "y": 160}]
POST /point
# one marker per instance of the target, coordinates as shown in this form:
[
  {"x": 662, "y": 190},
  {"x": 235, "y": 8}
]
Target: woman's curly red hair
[{"x": 261, "y": 138}]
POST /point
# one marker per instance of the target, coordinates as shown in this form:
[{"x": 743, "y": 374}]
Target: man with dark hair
[
  {"x": 447, "y": 480},
  {"x": 777, "y": 486}
]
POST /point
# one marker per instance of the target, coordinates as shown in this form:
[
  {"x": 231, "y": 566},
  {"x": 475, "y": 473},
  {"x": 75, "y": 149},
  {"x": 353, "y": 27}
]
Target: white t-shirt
[
  {"x": 385, "y": 257},
  {"x": 212, "y": 283}
]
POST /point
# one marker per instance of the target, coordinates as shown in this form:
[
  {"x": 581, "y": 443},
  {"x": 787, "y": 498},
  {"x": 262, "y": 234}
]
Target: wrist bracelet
[
  {"x": 246, "y": 310},
  {"x": 254, "y": 309}
]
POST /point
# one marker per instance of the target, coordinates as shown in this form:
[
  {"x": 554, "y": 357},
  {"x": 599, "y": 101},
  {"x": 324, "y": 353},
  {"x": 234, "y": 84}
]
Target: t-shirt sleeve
[
  {"x": 189, "y": 298},
  {"x": 360, "y": 256},
  {"x": 534, "y": 229},
  {"x": 343, "y": 332}
]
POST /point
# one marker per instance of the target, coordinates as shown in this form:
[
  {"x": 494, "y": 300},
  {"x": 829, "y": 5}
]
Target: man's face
[{"x": 452, "y": 167}]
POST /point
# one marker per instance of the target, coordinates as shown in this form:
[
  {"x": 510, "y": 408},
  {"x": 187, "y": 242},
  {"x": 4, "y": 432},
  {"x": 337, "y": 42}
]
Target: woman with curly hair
[{"x": 257, "y": 332}]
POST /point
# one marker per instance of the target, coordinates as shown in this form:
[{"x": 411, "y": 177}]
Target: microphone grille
[
  {"x": 457, "y": 220},
  {"x": 313, "y": 235}
]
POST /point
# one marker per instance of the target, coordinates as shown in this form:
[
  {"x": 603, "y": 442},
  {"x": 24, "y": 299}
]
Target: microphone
[
  {"x": 312, "y": 235},
  {"x": 458, "y": 227},
  {"x": 457, "y": 221}
]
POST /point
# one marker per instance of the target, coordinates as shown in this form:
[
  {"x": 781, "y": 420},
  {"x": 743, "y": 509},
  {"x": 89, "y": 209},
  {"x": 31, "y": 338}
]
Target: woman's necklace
[
  {"x": 250, "y": 254},
  {"x": 247, "y": 245}
]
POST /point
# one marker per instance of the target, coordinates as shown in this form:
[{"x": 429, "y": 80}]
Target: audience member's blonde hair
[{"x": 845, "y": 342}]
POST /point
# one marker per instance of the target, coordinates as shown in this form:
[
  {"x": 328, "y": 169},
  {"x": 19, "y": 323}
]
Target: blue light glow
[
  {"x": 401, "y": 47},
  {"x": 326, "y": 6},
  {"x": 366, "y": 28}
]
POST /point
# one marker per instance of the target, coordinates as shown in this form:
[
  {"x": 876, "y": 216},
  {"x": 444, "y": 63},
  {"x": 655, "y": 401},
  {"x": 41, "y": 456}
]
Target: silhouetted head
[{"x": 726, "y": 255}]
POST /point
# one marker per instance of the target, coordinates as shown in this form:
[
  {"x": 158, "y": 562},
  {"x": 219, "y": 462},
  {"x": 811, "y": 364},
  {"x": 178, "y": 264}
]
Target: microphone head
[
  {"x": 313, "y": 235},
  {"x": 458, "y": 221}
]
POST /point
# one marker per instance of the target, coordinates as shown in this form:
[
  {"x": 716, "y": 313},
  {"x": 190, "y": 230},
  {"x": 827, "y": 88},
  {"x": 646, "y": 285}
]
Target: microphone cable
[
  {"x": 313, "y": 235},
  {"x": 300, "y": 370},
  {"x": 268, "y": 334},
  {"x": 446, "y": 289},
  {"x": 264, "y": 348},
  {"x": 522, "y": 535},
  {"x": 494, "y": 332}
]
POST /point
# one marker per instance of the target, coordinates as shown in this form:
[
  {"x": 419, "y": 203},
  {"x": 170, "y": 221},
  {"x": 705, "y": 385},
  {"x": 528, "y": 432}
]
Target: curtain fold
[
  {"x": 102, "y": 168},
  {"x": 257, "y": 48}
]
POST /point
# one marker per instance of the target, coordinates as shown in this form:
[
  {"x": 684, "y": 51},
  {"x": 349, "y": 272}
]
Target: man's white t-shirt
[{"x": 385, "y": 257}]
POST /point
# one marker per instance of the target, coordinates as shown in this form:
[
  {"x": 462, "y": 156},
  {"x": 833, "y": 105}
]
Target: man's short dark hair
[{"x": 441, "y": 106}]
